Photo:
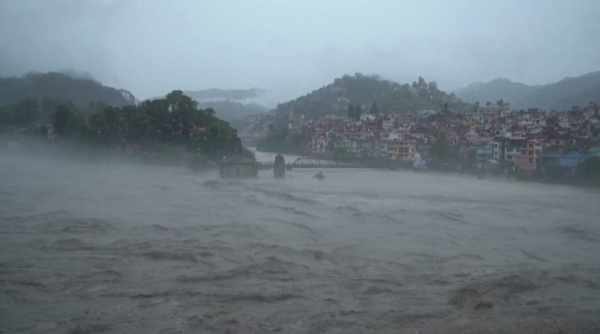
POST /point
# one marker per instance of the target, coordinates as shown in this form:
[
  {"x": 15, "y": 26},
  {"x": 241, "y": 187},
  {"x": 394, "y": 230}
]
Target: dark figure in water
[{"x": 279, "y": 168}]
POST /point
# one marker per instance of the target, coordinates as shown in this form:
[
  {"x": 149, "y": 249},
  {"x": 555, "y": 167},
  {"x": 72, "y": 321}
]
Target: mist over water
[{"x": 142, "y": 249}]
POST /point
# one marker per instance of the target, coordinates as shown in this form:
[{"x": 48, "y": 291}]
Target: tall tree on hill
[
  {"x": 177, "y": 99},
  {"x": 350, "y": 111},
  {"x": 60, "y": 119},
  {"x": 500, "y": 103},
  {"x": 433, "y": 86},
  {"x": 441, "y": 149},
  {"x": 357, "y": 112},
  {"x": 374, "y": 109}
]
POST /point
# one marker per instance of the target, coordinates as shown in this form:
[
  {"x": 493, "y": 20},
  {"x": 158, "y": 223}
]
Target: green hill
[
  {"x": 494, "y": 90},
  {"x": 561, "y": 95},
  {"x": 571, "y": 91},
  {"x": 582, "y": 99},
  {"x": 364, "y": 90}
]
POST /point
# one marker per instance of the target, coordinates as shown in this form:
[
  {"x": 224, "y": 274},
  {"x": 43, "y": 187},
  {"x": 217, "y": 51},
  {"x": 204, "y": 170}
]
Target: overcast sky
[{"x": 293, "y": 47}]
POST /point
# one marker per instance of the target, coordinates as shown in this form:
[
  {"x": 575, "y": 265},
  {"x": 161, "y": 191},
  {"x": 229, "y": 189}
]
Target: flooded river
[{"x": 117, "y": 248}]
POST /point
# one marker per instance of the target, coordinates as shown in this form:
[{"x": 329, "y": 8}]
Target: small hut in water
[{"x": 235, "y": 165}]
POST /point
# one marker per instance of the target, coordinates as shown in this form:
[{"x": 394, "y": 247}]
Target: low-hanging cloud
[{"x": 291, "y": 48}]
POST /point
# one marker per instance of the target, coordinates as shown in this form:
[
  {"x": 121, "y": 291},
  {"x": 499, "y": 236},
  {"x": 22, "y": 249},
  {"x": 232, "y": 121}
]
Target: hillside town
[{"x": 496, "y": 135}]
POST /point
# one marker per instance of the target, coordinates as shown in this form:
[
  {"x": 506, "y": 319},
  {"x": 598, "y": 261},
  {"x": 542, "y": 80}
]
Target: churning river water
[{"x": 118, "y": 248}]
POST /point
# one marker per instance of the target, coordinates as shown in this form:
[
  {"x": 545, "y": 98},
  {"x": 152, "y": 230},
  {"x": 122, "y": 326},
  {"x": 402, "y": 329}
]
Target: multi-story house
[
  {"x": 402, "y": 150},
  {"x": 557, "y": 143},
  {"x": 527, "y": 159},
  {"x": 498, "y": 152},
  {"x": 513, "y": 146},
  {"x": 484, "y": 147}
]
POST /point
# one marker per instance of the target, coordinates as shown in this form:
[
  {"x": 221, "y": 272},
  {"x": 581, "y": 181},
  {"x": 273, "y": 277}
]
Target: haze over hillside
[
  {"x": 153, "y": 47},
  {"x": 216, "y": 94},
  {"x": 559, "y": 96},
  {"x": 80, "y": 90},
  {"x": 230, "y": 104},
  {"x": 229, "y": 110}
]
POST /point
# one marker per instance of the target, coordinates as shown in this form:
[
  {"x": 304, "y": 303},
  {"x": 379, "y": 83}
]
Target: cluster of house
[{"x": 526, "y": 139}]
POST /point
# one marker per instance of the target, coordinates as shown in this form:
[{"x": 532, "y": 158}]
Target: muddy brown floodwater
[{"x": 117, "y": 248}]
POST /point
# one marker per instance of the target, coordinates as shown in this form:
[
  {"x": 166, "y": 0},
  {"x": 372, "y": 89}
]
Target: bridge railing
[{"x": 327, "y": 163}]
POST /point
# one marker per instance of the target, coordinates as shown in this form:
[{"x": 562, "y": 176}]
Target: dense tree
[
  {"x": 154, "y": 125},
  {"x": 374, "y": 109},
  {"x": 177, "y": 100},
  {"x": 488, "y": 103},
  {"x": 26, "y": 112},
  {"x": 6, "y": 117},
  {"x": 61, "y": 118},
  {"x": 214, "y": 140},
  {"x": 433, "y": 86},
  {"x": 440, "y": 149},
  {"x": 500, "y": 103},
  {"x": 471, "y": 158},
  {"x": 96, "y": 107},
  {"x": 49, "y": 105},
  {"x": 588, "y": 172},
  {"x": 351, "y": 111},
  {"x": 357, "y": 111}
]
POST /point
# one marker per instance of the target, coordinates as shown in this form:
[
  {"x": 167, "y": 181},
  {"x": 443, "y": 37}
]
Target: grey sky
[{"x": 293, "y": 47}]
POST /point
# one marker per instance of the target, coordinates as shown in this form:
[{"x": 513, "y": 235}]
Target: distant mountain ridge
[
  {"x": 216, "y": 94},
  {"x": 82, "y": 91},
  {"x": 495, "y": 90},
  {"x": 229, "y": 110},
  {"x": 561, "y": 95},
  {"x": 230, "y": 104}
]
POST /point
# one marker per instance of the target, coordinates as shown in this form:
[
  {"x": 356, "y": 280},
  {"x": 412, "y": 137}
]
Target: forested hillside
[{"x": 364, "y": 90}]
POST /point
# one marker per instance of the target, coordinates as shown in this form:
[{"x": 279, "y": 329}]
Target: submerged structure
[
  {"x": 279, "y": 166},
  {"x": 235, "y": 165}
]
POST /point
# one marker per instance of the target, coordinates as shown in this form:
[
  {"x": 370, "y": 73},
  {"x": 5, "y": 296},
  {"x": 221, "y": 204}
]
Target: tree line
[{"x": 174, "y": 121}]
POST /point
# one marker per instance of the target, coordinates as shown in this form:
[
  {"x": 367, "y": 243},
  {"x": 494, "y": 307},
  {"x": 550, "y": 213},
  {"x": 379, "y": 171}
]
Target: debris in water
[{"x": 319, "y": 176}]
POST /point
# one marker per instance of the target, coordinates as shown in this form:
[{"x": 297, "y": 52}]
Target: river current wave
[{"x": 91, "y": 248}]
